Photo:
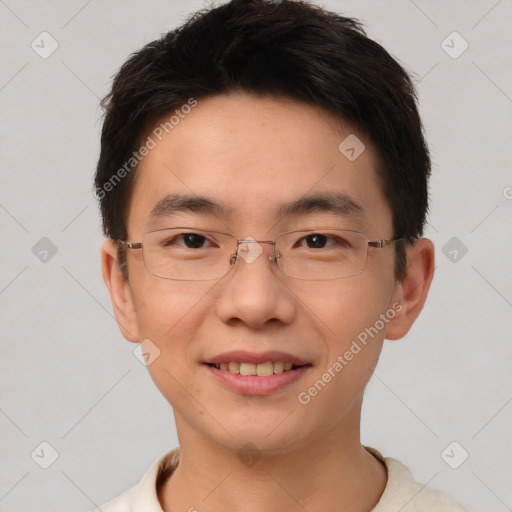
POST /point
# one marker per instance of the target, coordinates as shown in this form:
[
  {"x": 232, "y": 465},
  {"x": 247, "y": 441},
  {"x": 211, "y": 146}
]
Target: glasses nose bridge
[
  {"x": 274, "y": 255},
  {"x": 251, "y": 241}
]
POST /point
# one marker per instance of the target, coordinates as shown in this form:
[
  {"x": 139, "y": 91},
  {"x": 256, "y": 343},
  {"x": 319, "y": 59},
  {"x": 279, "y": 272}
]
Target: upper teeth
[{"x": 262, "y": 369}]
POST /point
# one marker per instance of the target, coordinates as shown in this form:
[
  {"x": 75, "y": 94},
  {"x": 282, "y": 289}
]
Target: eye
[
  {"x": 320, "y": 241},
  {"x": 188, "y": 240},
  {"x": 316, "y": 241}
]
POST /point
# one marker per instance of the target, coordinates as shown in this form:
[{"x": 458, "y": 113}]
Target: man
[{"x": 263, "y": 181}]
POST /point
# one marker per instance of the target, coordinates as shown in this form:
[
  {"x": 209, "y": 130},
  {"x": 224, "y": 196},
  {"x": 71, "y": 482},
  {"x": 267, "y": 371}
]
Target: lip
[
  {"x": 243, "y": 356},
  {"x": 254, "y": 385}
]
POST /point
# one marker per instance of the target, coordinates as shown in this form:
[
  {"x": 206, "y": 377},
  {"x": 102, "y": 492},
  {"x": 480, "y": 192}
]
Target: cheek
[
  {"x": 349, "y": 317},
  {"x": 352, "y": 315},
  {"x": 170, "y": 314},
  {"x": 169, "y": 311},
  {"x": 342, "y": 309}
]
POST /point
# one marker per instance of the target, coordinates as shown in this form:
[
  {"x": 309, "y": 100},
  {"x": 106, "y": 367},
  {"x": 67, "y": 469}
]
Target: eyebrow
[
  {"x": 177, "y": 203},
  {"x": 336, "y": 203}
]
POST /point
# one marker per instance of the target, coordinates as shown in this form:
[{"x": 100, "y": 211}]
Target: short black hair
[{"x": 287, "y": 48}]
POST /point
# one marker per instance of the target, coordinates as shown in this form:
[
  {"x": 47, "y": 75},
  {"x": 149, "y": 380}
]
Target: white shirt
[{"x": 402, "y": 492}]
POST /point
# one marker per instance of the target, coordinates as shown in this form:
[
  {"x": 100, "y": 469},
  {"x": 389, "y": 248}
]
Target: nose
[{"x": 254, "y": 293}]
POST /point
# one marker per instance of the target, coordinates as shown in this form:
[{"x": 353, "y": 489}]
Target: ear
[
  {"x": 120, "y": 292},
  {"x": 412, "y": 292}
]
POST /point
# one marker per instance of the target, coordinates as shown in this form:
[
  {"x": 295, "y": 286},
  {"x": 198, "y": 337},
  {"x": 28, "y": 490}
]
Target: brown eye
[
  {"x": 193, "y": 240},
  {"x": 321, "y": 241},
  {"x": 187, "y": 240},
  {"x": 316, "y": 241}
]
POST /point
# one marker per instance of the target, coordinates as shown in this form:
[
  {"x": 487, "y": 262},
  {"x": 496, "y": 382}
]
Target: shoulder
[
  {"x": 143, "y": 497},
  {"x": 121, "y": 503},
  {"x": 403, "y": 493}
]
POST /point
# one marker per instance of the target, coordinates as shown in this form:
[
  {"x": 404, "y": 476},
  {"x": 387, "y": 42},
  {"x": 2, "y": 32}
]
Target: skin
[{"x": 254, "y": 154}]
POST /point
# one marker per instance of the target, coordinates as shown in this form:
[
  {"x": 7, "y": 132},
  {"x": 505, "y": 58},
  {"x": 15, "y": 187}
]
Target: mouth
[
  {"x": 257, "y": 374},
  {"x": 265, "y": 369}
]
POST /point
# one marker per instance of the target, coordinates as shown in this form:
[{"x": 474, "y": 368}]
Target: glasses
[{"x": 191, "y": 254}]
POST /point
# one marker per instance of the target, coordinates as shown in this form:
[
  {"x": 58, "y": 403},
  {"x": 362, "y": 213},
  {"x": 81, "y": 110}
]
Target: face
[{"x": 251, "y": 156}]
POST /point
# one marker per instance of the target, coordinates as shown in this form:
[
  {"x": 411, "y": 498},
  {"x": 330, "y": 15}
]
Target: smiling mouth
[{"x": 261, "y": 370}]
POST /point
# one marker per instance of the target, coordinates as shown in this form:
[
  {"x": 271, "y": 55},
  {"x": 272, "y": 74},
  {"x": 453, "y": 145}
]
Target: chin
[{"x": 270, "y": 435}]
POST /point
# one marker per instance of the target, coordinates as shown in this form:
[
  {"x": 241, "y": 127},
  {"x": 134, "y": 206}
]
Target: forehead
[{"x": 256, "y": 159}]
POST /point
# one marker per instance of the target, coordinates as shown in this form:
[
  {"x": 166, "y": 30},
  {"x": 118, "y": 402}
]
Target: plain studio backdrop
[{"x": 74, "y": 397}]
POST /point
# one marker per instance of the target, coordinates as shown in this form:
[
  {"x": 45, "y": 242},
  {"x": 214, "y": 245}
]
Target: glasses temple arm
[
  {"x": 383, "y": 243},
  {"x": 129, "y": 245}
]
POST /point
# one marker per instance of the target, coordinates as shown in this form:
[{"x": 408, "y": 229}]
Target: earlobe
[
  {"x": 412, "y": 292},
  {"x": 119, "y": 290}
]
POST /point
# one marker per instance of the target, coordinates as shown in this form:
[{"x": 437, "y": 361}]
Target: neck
[{"x": 330, "y": 472}]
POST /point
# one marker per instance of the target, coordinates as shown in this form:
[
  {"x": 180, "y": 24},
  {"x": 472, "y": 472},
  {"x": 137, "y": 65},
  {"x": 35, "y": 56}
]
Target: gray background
[{"x": 68, "y": 377}]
